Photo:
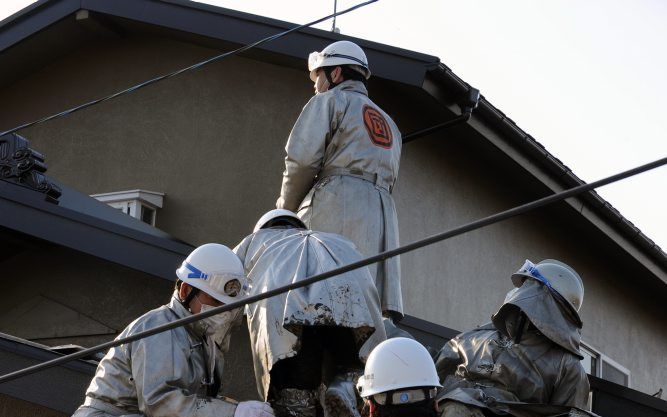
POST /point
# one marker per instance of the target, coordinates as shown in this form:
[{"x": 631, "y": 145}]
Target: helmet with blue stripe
[
  {"x": 557, "y": 276},
  {"x": 216, "y": 270}
]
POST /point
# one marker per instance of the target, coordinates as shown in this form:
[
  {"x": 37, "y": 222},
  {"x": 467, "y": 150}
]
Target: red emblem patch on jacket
[{"x": 377, "y": 127}]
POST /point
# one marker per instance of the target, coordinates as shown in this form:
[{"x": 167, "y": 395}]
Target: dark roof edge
[
  {"x": 42, "y": 353},
  {"x": 393, "y": 50},
  {"x": 626, "y": 393},
  {"x": 26, "y": 212},
  {"x": 168, "y": 244},
  {"x": 429, "y": 327},
  {"x": 33, "y": 18},
  {"x": 556, "y": 168},
  {"x": 22, "y": 12},
  {"x": 65, "y": 7}
]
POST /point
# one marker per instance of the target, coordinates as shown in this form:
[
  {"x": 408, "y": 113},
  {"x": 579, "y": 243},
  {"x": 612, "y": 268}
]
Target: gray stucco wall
[
  {"x": 213, "y": 139},
  {"x": 460, "y": 283}
]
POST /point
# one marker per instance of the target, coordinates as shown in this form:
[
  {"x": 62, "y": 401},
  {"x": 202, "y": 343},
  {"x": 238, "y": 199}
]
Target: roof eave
[
  {"x": 214, "y": 22},
  {"x": 26, "y": 211},
  {"x": 527, "y": 151}
]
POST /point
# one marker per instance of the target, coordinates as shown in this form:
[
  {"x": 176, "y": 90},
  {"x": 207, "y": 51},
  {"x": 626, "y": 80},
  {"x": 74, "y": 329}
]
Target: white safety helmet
[
  {"x": 339, "y": 53},
  {"x": 557, "y": 276},
  {"x": 396, "y": 364},
  {"x": 277, "y": 214},
  {"x": 215, "y": 270}
]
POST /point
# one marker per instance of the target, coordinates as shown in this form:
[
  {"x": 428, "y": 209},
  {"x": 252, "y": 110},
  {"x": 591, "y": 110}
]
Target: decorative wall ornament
[{"x": 24, "y": 166}]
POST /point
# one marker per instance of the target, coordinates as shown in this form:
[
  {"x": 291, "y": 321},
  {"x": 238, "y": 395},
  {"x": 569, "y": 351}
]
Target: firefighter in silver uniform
[
  {"x": 526, "y": 363},
  {"x": 342, "y": 162},
  {"x": 177, "y": 372},
  {"x": 319, "y": 334},
  {"x": 399, "y": 380}
]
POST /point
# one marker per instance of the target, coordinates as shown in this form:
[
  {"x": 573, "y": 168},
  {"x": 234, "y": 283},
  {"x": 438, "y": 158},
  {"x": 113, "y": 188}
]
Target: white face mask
[
  {"x": 219, "y": 323},
  {"x": 321, "y": 83}
]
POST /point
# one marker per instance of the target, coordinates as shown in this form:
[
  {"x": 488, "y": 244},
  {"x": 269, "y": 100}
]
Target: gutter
[{"x": 563, "y": 176}]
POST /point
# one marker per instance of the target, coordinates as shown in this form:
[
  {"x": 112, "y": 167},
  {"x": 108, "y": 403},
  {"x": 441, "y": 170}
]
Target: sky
[{"x": 587, "y": 79}]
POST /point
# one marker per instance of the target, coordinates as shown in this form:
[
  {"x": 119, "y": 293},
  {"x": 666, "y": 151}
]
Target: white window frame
[
  {"x": 131, "y": 202},
  {"x": 601, "y": 357}
]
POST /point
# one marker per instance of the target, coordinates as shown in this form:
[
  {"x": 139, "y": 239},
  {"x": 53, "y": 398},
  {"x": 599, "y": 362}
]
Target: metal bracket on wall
[
  {"x": 25, "y": 167},
  {"x": 468, "y": 104}
]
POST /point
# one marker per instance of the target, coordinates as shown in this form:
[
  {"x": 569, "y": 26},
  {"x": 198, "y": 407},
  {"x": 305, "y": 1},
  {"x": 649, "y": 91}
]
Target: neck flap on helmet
[{"x": 545, "y": 311}]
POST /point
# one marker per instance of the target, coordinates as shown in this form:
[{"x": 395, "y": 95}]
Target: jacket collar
[
  {"x": 352, "y": 85},
  {"x": 197, "y": 328}
]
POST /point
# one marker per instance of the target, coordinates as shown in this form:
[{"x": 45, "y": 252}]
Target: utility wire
[
  {"x": 191, "y": 67},
  {"x": 333, "y": 25},
  {"x": 495, "y": 218}
]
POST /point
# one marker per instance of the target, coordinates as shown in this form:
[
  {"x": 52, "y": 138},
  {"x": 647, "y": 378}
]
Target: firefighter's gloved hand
[{"x": 253, "y": 409}]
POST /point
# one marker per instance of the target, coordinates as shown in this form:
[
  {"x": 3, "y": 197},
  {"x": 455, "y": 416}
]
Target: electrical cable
[
  {"x": 495, "y": 218},
  {"x": 423, "y": 132},
  {"x": 467, "y": 106},
  {"x": 182, "y": 70}
]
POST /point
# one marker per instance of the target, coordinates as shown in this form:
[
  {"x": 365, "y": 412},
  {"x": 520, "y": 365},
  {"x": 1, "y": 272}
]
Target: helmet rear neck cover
[{"x": 546, "y": 308}]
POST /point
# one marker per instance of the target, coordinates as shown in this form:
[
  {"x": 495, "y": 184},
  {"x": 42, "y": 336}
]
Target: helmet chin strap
[
  {"x": 188, "y": 298},
  {"x": 372, "y": 408},
  {"x": 327, "y": 74}
]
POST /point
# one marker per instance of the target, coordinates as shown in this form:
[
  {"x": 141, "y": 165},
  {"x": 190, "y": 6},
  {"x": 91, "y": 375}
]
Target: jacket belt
[
  {"x": 357, "y": 173},
  {"x": 106, "y": 407}
]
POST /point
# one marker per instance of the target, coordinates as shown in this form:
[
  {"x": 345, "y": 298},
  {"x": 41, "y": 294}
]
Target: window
[
  {"x": 147, "y": 215},
  {"x": 611, "y": 371},
  {"x": 140, "y": 204},
  {"x": 590, "y": 360},
  {"x": 602, "y": 366}
]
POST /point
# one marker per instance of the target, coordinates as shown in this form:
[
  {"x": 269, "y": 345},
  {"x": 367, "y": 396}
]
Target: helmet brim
[
  {"x": 519, "y": 278},
  {"x": 202, "y": 286},
  {"x": 317, "y": 60}
]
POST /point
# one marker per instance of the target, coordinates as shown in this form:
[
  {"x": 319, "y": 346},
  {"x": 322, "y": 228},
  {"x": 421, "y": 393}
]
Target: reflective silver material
[
  {"x": 164, "y": 374},
  {"x": 454, "y": 409},
  {"x": 539, "y": 375},
  {"x": 545, "y": 311},
  {"x": 291, "y": 402},
  {"x": 340, "y": 397},
  {"x": 342, "y": 161},
  {"x": 277, "y": 257}
]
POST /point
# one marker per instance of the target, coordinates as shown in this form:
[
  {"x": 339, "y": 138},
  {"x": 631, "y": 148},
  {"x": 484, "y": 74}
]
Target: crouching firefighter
[
  {"x": 526, "y": 363},
  {"x": 399, "y": 380},
  {"x": 309, "y": 344},
  {"x": 177, "y": 372}
]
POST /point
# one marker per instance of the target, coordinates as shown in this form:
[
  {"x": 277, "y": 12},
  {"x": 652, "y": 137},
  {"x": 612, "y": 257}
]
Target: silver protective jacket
[
  {"x": 538, "y": 376},
  {"x": 342, "y": 161},
  {"x": 277, "y": 257},
  {"x": 161, "y": 375}
]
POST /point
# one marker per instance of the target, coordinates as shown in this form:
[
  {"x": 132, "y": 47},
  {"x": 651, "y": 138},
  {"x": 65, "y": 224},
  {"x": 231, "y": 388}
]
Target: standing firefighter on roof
[{"x": 342, "y": 162}]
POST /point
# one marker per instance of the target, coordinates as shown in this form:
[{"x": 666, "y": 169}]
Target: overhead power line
[
  {"x": 181, "y": 71},
  {"x": 486, "y": 221}
]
